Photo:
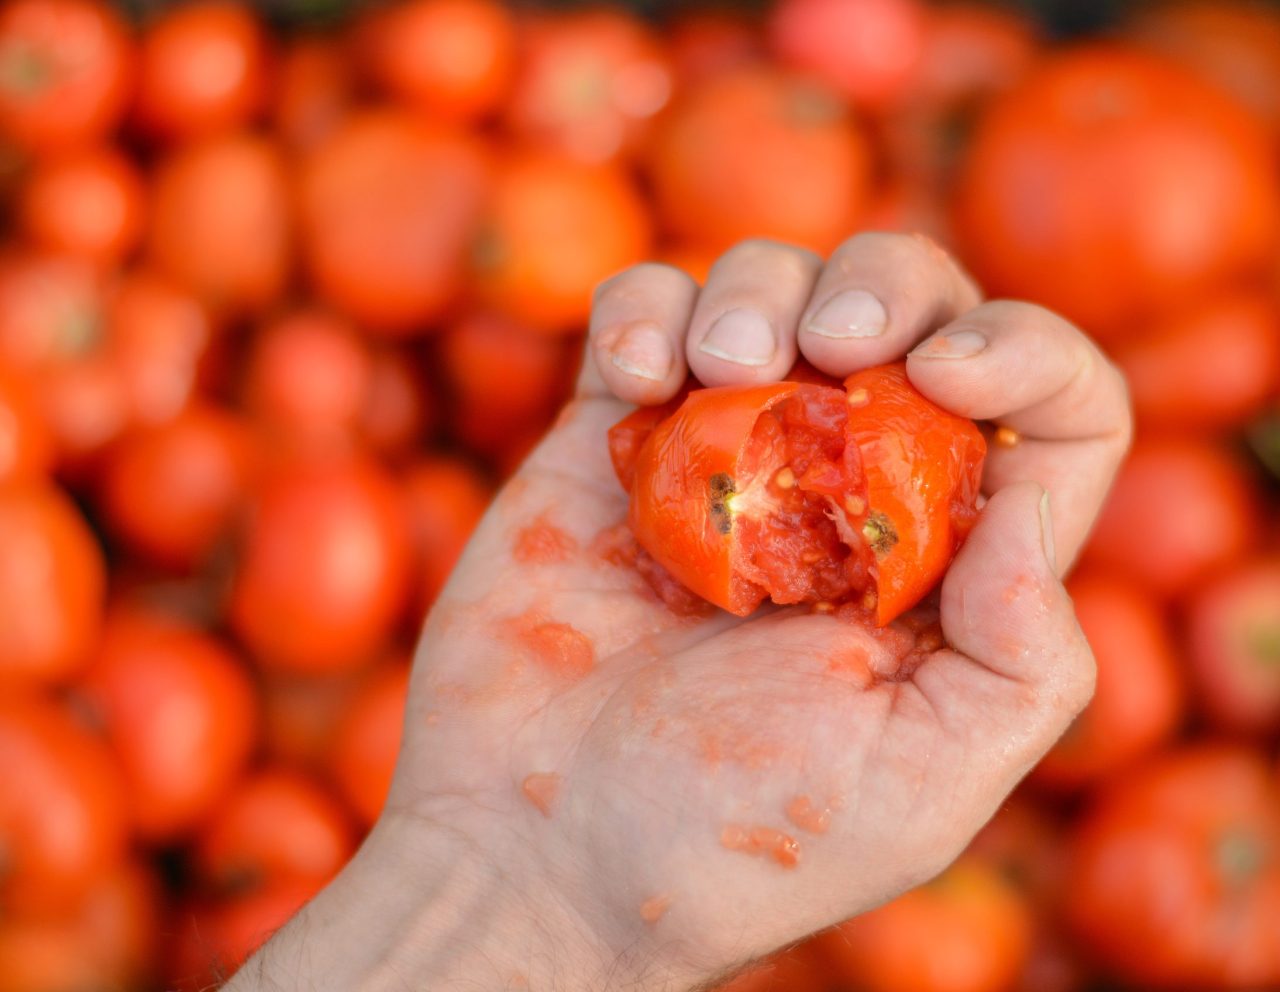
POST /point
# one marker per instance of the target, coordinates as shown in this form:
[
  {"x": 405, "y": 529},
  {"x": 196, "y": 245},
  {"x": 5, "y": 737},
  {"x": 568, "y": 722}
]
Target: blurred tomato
[
  {"x": 757, "y": 153},
  {"x": 690, "y": 257},
  {"x": 366, "y": 743},
  {"x": 389, "y": 209},
  {"x": 446, "y": 498},
  {"x": 1140, "y": 699},
  {"x": 221, "y": 221},
  {"x": 312, "y": 91},
  {"x": 451, "y": 59},
  {"x": 1233, "y": 645},
  {"x": 1110, "y": 185},
  {"x": 972, "y": 51},
  {"x": 89, "y": 202},
  {"x": 171, "y": 492},
  {"x": 202, "y": 68},
  {"x": 278, "y": 824},
  {"x": 1176, "y": 873},
  {"x": 706, "y": 43},
  {"x": 589, "y": 84},
  {"x": 554, "y": 230},
  {"x": 1214, "y": 363},
  {"x": 65, "y": 72},
  {"x": 1024, "y": 842},
  {"x": 26, "y": 450},
  {"x": 867, "y": 50},
  {"x": 324, "y": 566},
  {"x": 179, "y": 712},
  {"x": 1180, "y": 507},
  {"x": 52, "y": 582},
  {"x": 399, "y": 408},
  {"x": 300, "y": 713},
  {"x": 50, "y": 306},
  {"x": 62, "y": 812}
]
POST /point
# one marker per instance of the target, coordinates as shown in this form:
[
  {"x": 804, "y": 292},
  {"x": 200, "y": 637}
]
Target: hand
[{"x": 594, "y": 790}]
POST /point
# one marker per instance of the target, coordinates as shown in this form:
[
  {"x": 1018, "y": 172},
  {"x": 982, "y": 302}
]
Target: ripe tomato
[
  {"x": 171, "y": 493},
  {"x": 446, "y": 498},
  {"x": 301, "y": 712},
  {"x": 1110, "y": 184},
  {"x": 65, "y": 72},
  {"x": 178, "y": 710},
  {"x": 452, "y": 59},
  {"x": 1024, "y": 843},
  {"x": 968, "y": 930},
  {"x": 52, "y": 584},
  {"x": 324, "y": 568},
  {"x": 389, "y": 208},
  {"x": 802, "y": 492},
  {"x": 758, "y": 153},
  {"x": 710, "y": 42},
  {"x": 868, "y": 50},
  {"x": 312, "y": 91},
  {"x": 1233, "y": 644},
  {"x": 221, "y": 221},
  {"x": 399, "y": 408},
  {"x": 26, "y": 449},
  {"x": 89, "y": 202},
  {"x": 278, "y": 824},
  {"x": 366, "y": 744},
  {"x": 62, "y": 812},
  {"x": 1212, "y": 364},
  {"x": 1175, "y": 881},
  {"x": 554, "y": 230},
  {"x": 971, "y": 51},
  {"x": 106, "y": 941},
  {"x": 202, "y": 68},
  {"x": 1180, "y": 508},
  {"x": 50, "y": 305},
  {"x": 1140, "y": 699},
  {"x": 590, "y": 82}
]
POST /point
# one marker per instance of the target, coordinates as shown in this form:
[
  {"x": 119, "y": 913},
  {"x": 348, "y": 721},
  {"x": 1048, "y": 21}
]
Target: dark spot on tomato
[
  {"x": 721, "y": 486},
  {"x": 880, "y": 533}
]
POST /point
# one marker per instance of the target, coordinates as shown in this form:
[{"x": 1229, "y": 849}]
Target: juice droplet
[
  {"x": 654, "y": 908},
  {"x": 542, "y": 542},
  {"x": 558, "y": 647},
  {"x": 542, "y": 789},
  {"x": 804, "y": 814},
  {"x": 762, "y": 842}
]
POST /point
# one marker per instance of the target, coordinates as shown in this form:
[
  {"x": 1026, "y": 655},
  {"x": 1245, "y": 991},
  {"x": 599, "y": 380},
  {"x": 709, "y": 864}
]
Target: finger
[
  {"x": 635, "y": 344},
  {"x": 744, "y": 325},
  {"x": 1036, "y": 374},
  {"x": 878, "y": 296}
]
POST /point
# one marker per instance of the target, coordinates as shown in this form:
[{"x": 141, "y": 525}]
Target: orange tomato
[
  {"x": 446, "y": 498},
  {"x": 300, "y": 714},
  {"x": 367, "y": 741},
  {"x": 399, "y": 408},
  {"x": 202, "y": 68},
  {"x": 555, "y": 229},
  {"x": 65, "y": 72},
  {"x": 312, "y": 91},
  {"x": 26, "y": 449},
  {"x": 52, "y": 584},
  {"x": 706, "y": 43},
  {"x": 758, "y": 153},
  {"x": 971, "y": 51}
]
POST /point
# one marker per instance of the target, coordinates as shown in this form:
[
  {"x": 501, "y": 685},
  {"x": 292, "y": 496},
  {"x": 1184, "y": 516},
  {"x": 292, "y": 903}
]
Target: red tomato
[
  {"x": 758, "y": 153},
  {"x": 968, "y": 930},
  {"x": 65, "y": 72},
  {"x": 202, "y": 69},
  {"x": 707, "y": 43},
  {"x": 325, "y": 567},
  {"x": 50, "y": 306},
  {"x": 26, "y": 449},
  {"x": 52, "y": 584},
  {"x": 301, "y": 713},
  {"x": 1140, "y": 700},
  {"x": 1175, "y": 880},
  {"x": 1233, "y": 644},
  {"x": 171, "y": 493},
  {"x": 178, "y": 709},
  {"x": 1180, "y": 507},
  {"x": 1111, "y": 184},
  {"x": 62, "y": 812},
  {"x": 389, "y": 208},
  {"x": 312, "y": 92},
  {"x": 451, "y": 59},
  {"x": 89, "y": 202},
  {"x": 1213, "y": 364},
  {"x": 1025, "y": 843},
  {"x": 803, "y": 492},
  {"x": 971, "y": 51},
  {"x": 399, "y": 407},
  {"x": 221, "y": 219},
  {"x": 868, "y": 50},
  {"x": 446, "y": 498},
  {"x": 366, "y": 744},
  {"x": 279, "y": 824},
  {"x": 589, "y": 84}
]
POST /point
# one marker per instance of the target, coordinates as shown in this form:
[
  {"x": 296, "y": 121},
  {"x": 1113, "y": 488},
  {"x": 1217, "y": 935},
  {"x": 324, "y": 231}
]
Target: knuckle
[
  {"x": 762, "y": 252},
  {"x": 639, "y": 283}
]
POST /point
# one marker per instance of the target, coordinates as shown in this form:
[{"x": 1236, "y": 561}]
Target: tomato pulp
[{"x": 802, "y": 492}]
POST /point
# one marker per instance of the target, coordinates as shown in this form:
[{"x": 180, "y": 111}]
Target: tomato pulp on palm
[{"x": 802, "y": 491}]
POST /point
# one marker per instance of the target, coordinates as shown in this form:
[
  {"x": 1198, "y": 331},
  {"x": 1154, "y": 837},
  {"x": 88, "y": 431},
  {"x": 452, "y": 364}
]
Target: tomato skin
[
  {"x": 1233, "y": 645},
  {"x": 52, "y": 585},
  {"x": 366, "y": 743},
  {"x": 445, "y": 499},
  {"x": 62, "y": 810},
  {"x": 313, "y": 90},
  {"x": 710, "y": 42},
  {"x": 26, "y": 449},
  {"x": 83, "y": 54},
  {"x": 971, "y": 51}
]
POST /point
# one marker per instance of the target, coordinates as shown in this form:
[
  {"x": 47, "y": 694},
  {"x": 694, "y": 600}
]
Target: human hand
[{"x": 594, "y": 790}]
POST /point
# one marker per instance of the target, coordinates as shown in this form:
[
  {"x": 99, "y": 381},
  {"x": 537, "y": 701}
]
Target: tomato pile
[{"x": 279, "y": 309}]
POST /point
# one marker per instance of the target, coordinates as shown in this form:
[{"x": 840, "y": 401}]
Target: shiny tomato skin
[
  {"x": 52, "y": 585},
  {"x": 366, "y": 742}
]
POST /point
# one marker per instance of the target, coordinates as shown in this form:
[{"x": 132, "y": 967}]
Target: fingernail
[
  {"x": 958, "y": 344},
  {"x": 855, "y": 313},
  {"x": 1046, "y": 532},
  {"x": 743, "y": 336},
  {"x": 643, "y": 351}
]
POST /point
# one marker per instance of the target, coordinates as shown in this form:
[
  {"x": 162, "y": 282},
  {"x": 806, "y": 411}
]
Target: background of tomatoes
[{"x": 281, "y": 306}]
